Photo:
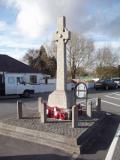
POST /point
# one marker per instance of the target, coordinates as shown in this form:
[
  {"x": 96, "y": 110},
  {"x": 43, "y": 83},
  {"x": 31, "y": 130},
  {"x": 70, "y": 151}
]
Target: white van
[{"x": 15, "y": 84}]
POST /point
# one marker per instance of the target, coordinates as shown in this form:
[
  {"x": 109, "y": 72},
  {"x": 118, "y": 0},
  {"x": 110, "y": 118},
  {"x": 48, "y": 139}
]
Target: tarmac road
[
  {"x": 13, "y": 149},
  {"x": 110, "y": 102}
]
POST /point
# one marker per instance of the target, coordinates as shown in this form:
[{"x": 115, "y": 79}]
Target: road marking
[
  {"x": 114, "y": 104},
  {"x": 112, "y": 97},
  {"x": 116, "y": 93}
]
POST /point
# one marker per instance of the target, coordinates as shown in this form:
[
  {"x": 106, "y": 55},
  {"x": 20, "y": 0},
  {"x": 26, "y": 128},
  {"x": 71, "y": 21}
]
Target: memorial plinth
[{"x": 61, "y": 99}]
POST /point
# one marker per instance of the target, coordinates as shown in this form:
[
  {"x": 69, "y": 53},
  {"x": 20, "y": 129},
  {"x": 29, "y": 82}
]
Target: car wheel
[
  {"x": 21, "y": 95},
  {"x": 116, "y": 86},
  {"x": 106, "y": 87},
  {"x": 26, "y": 94}
]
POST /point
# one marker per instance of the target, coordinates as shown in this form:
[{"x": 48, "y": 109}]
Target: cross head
[{"x": 62, "y": 34}]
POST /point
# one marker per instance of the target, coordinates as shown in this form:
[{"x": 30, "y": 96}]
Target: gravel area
[{"x": 54, "y": 126}]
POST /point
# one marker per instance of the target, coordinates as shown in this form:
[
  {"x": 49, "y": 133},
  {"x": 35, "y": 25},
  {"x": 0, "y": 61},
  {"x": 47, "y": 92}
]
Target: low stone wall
[
  {"x": 41, "y": 88},
  {"x": 44, "y": 88},
  {"x": 90, "y": 85}
]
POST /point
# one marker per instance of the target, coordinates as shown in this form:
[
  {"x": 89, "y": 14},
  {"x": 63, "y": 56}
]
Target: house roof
[{"x": 11, "y": 65}]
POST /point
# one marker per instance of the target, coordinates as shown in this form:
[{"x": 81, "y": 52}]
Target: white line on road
[
  {"x": 116, "y": 93},
  {"x": 114, "y": 104},
  {"x": 111, "y": 97}
]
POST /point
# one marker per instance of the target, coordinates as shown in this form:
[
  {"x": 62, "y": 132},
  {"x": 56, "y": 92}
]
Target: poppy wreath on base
[
  {"x": 50, "y": 112},
  {"x": 57, "y": 113}
]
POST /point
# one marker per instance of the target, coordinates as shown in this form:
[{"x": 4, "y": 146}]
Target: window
[
  {"x": 33, "y": 79},
  {"x": 11, "y": 80},
  {"x": 20, "y": 80}
]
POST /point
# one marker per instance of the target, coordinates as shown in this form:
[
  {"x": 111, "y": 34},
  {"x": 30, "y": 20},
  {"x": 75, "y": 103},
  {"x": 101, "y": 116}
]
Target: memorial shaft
[{"x": 61, "y": 67}]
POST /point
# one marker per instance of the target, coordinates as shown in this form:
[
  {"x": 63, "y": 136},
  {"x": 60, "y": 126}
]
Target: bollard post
[
  {"x": 74, "y": 116},
  {"x": 69, "y": 111},
  {"x": 43, "y": 113},
  {"x": 40, "y": 102},
  {"x": 89, "y": 109},
  {"x": 98, "y": 104},
  {"x": 19, "y": 109}
]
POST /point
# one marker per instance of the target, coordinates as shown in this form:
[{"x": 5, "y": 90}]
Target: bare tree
[
  {"x": 40, "y": 60},
  {"x": 106, "y": 57},
  {"x": 51, "y": 49},
  {"x": 80, "y": 53},
  {"x": 30, "y": 54},
  {"x": 106, "y": 63}
]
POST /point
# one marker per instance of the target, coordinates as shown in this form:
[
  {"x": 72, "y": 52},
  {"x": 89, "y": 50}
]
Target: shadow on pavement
[
  {"x": 103, "y": 140},
  {"x": 36, "y": 157}
]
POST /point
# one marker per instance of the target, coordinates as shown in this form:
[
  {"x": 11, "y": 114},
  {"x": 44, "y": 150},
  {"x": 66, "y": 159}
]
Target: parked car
[
  {"x": 106, "y": 84},
  {"x": 116, "y": 80}
]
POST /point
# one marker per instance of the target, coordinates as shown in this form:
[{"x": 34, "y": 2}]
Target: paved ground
[
  {"x": 13, "y": 149},
  {"x": 17, "y": 149}
]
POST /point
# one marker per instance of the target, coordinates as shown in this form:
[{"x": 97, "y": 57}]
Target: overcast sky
[{"x": 27, "y": 24}]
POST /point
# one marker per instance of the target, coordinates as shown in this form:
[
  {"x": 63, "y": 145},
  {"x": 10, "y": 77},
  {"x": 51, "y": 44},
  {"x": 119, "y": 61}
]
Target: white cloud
[
  {"x": 12, "y": 42},
  {"x": 32, "y": 20},
  {"x": 36, "y": 18},
  {"x": 113, "y": 44},
  {"x": 3, "y": 25},
  {"x": 16, "y": 53},
  {"x": 36, "y": 21}
]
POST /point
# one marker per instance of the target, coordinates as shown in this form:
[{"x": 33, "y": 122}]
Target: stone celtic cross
[
  {"x": 61, "y": 37},
  {"x": 61, "y": 97}
]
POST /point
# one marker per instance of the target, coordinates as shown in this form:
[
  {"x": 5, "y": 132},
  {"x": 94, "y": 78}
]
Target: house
[{"x": 17, "y": 77}]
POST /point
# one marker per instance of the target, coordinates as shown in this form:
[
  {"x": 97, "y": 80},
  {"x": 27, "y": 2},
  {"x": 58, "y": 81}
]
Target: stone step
[{"x": 67, "y": 144}]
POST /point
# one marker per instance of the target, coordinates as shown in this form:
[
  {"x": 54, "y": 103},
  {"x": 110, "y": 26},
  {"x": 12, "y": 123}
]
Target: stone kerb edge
[
  {"x": 113, "y": 145},
  {"x": 68, "y": 144}
]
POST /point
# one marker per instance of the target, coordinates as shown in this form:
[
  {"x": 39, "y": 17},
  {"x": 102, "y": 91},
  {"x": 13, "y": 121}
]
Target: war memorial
[{"x": 59, "y": 122}]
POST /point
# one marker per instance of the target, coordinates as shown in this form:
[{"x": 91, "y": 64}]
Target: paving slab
[{"x": 15, "y": 149}]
